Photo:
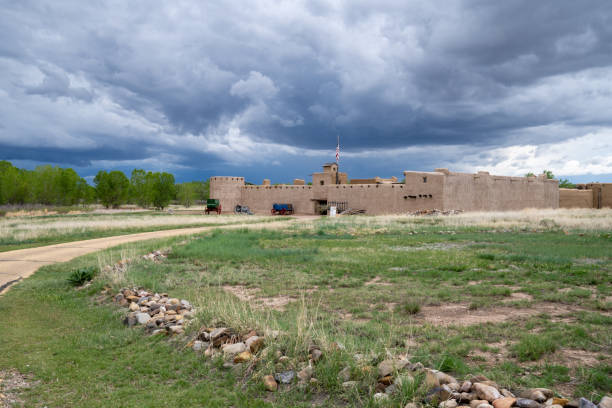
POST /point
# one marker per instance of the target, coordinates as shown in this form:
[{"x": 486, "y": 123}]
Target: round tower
[{"x": 227, "y": 190}]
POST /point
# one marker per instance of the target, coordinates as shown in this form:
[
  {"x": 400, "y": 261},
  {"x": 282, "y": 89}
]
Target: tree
[
  {"x": 565, "y": 183},
  {"x": 141, "y": 188},
  {"x": 186, "y": 193},
  {"x": 112, "y": 188},
  {"x": 530, "y": 174},
  {"x": 549, "y": 174},
  {"x": 163, "y": 189}
]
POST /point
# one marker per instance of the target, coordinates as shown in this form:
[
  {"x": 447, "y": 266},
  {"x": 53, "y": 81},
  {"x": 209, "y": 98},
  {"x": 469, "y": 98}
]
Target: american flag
[{"x": 338, "y": 150}]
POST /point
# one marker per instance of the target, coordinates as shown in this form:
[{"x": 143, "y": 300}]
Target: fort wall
[
  {"x": 261, "y": 198},
  {"x": 485, "y": 192},
  {"x": 602, "y": 194},
  {"x": 572, "y": 198},
  {"x": 227, "y": 191}
]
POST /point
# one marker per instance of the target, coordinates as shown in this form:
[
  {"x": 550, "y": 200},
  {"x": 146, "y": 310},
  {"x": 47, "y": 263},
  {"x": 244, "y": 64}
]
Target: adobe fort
[{"x": 440, "y": 189}]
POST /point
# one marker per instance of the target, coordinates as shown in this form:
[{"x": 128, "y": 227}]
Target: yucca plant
[{"x": 80, "y": 276}]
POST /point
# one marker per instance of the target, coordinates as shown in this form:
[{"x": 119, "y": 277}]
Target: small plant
[
  {"x": 79, "y": 276},
  {"x": 410, "y": 307},
  {"x": 533, "y": 346}
]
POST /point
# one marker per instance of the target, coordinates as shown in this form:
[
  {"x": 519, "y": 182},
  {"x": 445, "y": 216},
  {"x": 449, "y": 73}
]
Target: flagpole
[{"x": 338, "y": 161}]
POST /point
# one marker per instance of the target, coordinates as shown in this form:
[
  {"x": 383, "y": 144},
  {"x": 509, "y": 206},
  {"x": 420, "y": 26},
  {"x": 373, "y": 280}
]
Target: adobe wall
[
  {"x": 602, "y": 194},
  {"x": 572, "y": 198},
  {"x": 485, "y": 192},
  {"x": 261, "y": 198},
  {"x": 227, "y": 191}
]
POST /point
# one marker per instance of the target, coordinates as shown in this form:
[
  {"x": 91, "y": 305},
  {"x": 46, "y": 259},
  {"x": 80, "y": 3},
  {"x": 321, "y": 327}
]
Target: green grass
[{"x": 80, "y": 352}]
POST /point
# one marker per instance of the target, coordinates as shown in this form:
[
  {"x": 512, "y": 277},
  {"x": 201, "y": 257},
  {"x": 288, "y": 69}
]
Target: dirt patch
[
  {"x": 11, "y": 384},
  {"x": 250, "y": 295},
  {"x": 436, "y": 246},
  {"x": 520, "y": 296},
  {"x": 459, "y": 313},
  {"x": 576, "y": 358},
  {"x": 377, "y": 281}
]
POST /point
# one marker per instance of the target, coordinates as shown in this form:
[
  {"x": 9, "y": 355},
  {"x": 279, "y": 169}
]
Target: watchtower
[{"x": 227, "y": 190}]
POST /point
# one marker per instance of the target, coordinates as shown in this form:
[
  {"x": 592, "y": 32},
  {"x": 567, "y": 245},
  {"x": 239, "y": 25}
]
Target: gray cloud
[{"x": 230, "y": 84}]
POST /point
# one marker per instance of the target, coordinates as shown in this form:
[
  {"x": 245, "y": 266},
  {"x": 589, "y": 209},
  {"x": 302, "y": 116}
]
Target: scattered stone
[
  {"x": 527, "y": 403},
  {"x": 505, "y": 402},
  {"x": 231, "y": 349},
  {"x": 431, "y": 380},
  {"x": 403, "y": 379},
  {"x": 142, "y": 318},
  {"x": 388, "y": 380},
  {"x": 350, "y": 384},
  {"x": 391, "y": 389},
  {"x": 255, "y": 343},
  {"x": 176, "y": 329},
  {"x": 507, "y": 393},
  {"x": 537, "y": 394},
  {"x": 133, "y": 307},
  {"x": 270, "y": 383},
  {"x": 411, "y": 405},
  {"x": 316, "y": 355},
  {"x": 305, "y": 374},
  {"x": 448, "y": 404},
  {"x": 198, "y": 345},
  {"x": 585, "y": 403},
  {"x": 466, "y": 386},
  {"x": 243, "y": 357},
  {"x": 476, "y": 403},
  {"x": 387, "y": 367},
  {"x": 379, "y": 397},
  {"x": 606, "y": 402},
  {"x": 563, "y": 402},
  {"x": 486, "y": 392},
  {"x": 285, "y": 377},
  {"x": 283, "y": 359},
  {"x": 345, "y": 374}
]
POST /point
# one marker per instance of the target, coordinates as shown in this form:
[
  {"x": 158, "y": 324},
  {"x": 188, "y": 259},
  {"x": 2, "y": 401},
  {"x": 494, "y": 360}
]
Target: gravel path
[{"x": 19, "y": 264}]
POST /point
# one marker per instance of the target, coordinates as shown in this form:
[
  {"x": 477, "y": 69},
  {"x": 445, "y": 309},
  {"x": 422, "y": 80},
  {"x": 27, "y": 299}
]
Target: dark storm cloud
[{"x": 207, "y": 83}]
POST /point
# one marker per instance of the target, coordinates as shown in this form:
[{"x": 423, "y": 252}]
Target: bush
[
  {"x": 410, "y": 307},
  {"x": 80, "y": 276}
]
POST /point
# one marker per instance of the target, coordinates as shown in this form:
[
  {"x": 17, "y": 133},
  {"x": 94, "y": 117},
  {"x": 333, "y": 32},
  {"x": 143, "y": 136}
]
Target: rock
[
  {"x": 198, "y": 345},
  {"x": 527, "y": 403},
  {"x": 467, "y": 396},
  {"x": 305, "y": 374},
  {"x": 388, "y": 380},
  {"x": 387, "y": 367},
  {"x": 505, "y": 402},
  {"x": 130, "y": 320},
  {"x": 254, "y": 343},
  {"x": 437, "y": 394},
  {"x": 454, "y": 386},
  {"x": 537, "y": 394},
  {"x": 556, "y": 406},
  {"x": 506, "y": 393},
  {"x": 283, "y": 359},
  {"x": 230, "y": 349},
  {"x": 270, "y": 383},
  {"x": 448, "y": 404},
  {"x": 411, "y": 405},
  {"x": 486, "y": 405},
  {"x": 218, "y": 335},
  {"x": 350, "y": 384},
  {"x": 606, "y": 402},
  {"x": 344, "y": 374},
  {"x": 486, "y": 392},
  {"x": 431, "y": 380},
  {"x": 563, "y": 402},
  {"x": 158, "y": 331},
  {"x": 316, "y": 355},
  {"x": 176, "y": 329},
  {"x": 403, "y": 379},
  {"x": 585, "y": 403},
  {"x": 142, "y": 318},
  {"x": 133, "y": 307},
  {"x": 285, "y": 377},
  {"x": 204, "y": 336},
  {"x": 466, "y": 386},
  {"x": 243, "y": 357},
  {"x": 391, "y": 389},
  {"x": 379, "y": 397},
  {"x": 418, "y": 366},
  {"x": 476, "y": 403}
]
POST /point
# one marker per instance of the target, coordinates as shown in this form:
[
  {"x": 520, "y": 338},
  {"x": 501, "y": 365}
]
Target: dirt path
[{"x": 19, "y": 264}]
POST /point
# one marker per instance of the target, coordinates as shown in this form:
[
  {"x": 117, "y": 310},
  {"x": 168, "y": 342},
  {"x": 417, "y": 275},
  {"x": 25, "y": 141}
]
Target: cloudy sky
[{"x": 264, "y": 88}]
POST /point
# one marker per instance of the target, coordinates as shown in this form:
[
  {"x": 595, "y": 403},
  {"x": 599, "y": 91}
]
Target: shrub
[
  {"x": 533, "y": 346},
  {"x": 410, "y": 307},
  {"x": 80, "y": 276}
]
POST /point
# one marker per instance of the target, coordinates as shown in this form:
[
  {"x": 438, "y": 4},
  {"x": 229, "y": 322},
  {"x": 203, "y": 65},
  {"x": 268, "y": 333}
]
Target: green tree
[
  {"x": 186, "y": 193},
  {"x": 141, "y": 188},
  {"x": 565, "y": 183},
  {"x": 549, "y": 174},
  {"x": 112, "y": 188},
  {"x": 163, "y": 189},
  {"x": 530, "y": 174}
]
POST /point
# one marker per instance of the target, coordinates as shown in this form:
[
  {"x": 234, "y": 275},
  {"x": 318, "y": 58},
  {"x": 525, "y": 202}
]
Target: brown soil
[
  {"x": 459, "y": 313},
  {"x": 377, "y": 281},
  {"x": 11, "y": 382},
  {"x": 250, "y": 295}
]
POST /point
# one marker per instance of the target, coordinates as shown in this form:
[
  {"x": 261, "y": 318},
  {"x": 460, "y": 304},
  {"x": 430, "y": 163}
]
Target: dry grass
[
  {"x": 20, "y": 229},
  {"x": 580, "y": 219}
]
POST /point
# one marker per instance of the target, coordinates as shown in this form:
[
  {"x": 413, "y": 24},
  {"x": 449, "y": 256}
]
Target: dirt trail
[{"x": 19, "y": 264}]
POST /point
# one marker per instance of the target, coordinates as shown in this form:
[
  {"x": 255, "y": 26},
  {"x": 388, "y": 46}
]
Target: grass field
[
  {"x": 523, "y": 298},
  {"x": 18, "y": 232}
]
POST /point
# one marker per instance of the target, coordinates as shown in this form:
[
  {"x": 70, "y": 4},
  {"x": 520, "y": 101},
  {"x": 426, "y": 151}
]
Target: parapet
[
  {"x": 266, "y": 182},
  {"x": 298, "y": 182}
]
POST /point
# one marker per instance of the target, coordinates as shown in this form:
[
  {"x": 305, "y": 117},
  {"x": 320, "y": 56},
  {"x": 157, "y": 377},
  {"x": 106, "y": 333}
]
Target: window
[
  {"x": 424, "y": 179},
  {"x": 322, "y": 182}
]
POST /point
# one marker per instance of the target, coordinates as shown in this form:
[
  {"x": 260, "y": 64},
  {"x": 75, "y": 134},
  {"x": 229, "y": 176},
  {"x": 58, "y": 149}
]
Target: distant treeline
[{"x": 50, "y": 185}]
